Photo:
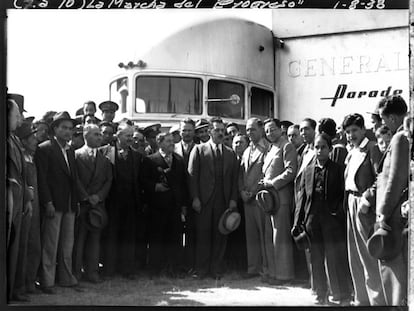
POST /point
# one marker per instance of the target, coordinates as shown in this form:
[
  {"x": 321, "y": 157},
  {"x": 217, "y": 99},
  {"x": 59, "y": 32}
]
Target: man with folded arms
[
  {"x": 95, "y": 178},
  {"x": 58, "y": 195}
]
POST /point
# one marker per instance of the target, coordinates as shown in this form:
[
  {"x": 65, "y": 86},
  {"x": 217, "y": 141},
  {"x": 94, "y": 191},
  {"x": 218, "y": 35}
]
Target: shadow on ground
[{"x": 229, "y": 291}]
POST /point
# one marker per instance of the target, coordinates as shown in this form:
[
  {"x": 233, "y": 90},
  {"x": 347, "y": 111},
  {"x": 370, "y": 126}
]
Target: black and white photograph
[{"x": 208, "y": 157}]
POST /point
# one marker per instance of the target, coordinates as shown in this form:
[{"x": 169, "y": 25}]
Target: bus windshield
[
  {"x": 164, "y": 94},
  {"x": 219, "y": 89}
]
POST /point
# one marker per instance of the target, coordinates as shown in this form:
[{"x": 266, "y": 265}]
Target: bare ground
[{"x": 231, "y": 290}]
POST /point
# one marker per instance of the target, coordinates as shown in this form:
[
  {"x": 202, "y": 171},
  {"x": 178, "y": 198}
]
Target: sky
[{"x": 60, "y": 59}]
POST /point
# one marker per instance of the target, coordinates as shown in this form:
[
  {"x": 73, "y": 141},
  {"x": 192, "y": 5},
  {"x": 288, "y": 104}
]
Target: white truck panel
[{"x": 358, "y": 67}]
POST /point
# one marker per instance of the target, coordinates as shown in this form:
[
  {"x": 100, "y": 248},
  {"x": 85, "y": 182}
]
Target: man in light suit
[
  {"x": 213, "y": 174},
  {"x": 360, "y": 175},
  {"x": 249, "y": 177},
  {"x": 58, "y": 196},
  {"x": 391, "y": 183},
  {"x": 279, "y": 170},
  {"x": 95, "y": 178}
]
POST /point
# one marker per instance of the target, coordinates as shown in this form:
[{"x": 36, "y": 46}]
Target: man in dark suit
[
  {"x": 213, "y": 170},
  {"x": 164, "y": 177},
  {"x": 360, "y": 175},
  {"x": 17, "y": 199},
  {"x": 95, "y": 178},
  {"x": 391, "y": 183},
  {"x": 58, "y": 195},
  {"x": 124, "y": 206},
  {"x": 184, "y": 148}
]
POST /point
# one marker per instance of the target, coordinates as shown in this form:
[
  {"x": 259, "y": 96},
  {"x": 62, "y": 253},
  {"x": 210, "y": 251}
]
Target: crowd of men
[{"x": 90, "y": 199}]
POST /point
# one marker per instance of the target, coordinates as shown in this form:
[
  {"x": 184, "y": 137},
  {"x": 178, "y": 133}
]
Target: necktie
[
  {"x": 218, "y": 152},
  {"x": 168, "y": 159}
]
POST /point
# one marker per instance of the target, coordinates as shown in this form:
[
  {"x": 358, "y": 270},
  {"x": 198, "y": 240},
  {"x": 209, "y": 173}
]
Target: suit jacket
[
  {"x": 280, "y": 166},
  {"x": 303, "y": 162},
  {"x": 338, "y": 154},
  {"x": 95, "y": 174},
  {"x": 393, "y": 178},
  {"x": 179, "y": 149},
  {"x": 365, "y": 176},
  {"x": 334, "y": 190},
  {"x": 251, "y": 173},
  {"x": 201, "y": 171},
  {"x": 110, "y": 152},
  {"x": 57, "y": 183},
  {"x": 153, "y": 169},
  {"x": 16, "y": 174}
]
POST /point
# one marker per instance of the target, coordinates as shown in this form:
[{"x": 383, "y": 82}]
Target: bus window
[
  {"x": 262, "y": 103},
  {"x": 119, "y": 93},
  {"x": 219, "y": 89},
  {"x": 161, "y": 94}
]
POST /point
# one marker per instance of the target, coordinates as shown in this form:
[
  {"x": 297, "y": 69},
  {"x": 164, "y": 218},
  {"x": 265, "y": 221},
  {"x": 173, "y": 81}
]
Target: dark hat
[
  {"x": 382, "y": 245},
  {"x": 229, "y": 221},
  {"x": 301, "y": 237},
  {"x": 79, "y": 112},
  {"x": 268, "y": 200},
  {"x": 41, "y": 121},
  {"x": 61, "y": 116},
  {"x": 48, "y": 117},
  {"x": 108, "y": 105},
  {"x": 201, "y": 124},
  {"x": 154, "y": 128},
  {"x": 97, "y": 218},
  {"x": 26, "y": 128},
  {"x": 19, "y": 99}
]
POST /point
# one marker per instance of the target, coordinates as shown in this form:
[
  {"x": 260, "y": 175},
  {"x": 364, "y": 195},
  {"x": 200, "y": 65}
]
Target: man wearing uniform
[{"x": 108, "y": 109}]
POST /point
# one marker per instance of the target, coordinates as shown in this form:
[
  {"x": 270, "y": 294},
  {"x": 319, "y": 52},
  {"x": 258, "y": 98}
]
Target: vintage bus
[{"x": 219, "y": 68}]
